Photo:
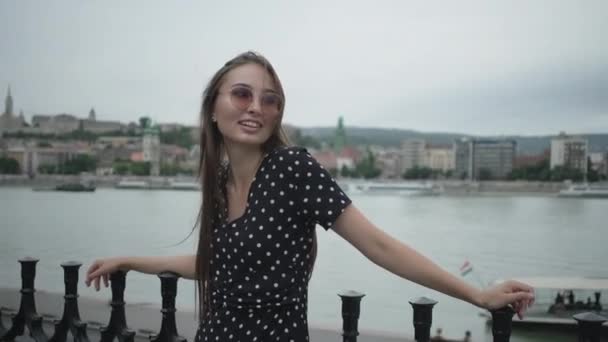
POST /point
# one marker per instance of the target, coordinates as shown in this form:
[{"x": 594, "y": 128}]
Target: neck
[{"x": 244, "y": 162}]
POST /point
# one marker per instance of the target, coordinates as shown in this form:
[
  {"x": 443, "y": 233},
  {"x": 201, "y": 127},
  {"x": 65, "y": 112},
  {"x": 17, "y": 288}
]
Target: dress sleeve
[{"x": 320, "y": 198}]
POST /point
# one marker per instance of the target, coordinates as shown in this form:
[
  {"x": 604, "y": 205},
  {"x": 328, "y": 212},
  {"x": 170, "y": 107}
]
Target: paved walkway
[{"x": 145, "y": 319}]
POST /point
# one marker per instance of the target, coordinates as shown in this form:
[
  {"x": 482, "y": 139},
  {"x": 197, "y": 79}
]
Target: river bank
[{"x": 449, "y": 187}]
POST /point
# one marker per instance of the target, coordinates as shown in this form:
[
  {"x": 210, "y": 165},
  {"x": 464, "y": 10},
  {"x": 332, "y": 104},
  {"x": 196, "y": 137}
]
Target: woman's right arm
[{"x": 184, "y": 265}]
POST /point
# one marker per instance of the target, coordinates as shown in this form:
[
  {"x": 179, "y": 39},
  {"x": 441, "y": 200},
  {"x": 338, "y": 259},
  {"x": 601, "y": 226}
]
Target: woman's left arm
[{"x": 404, "y": 261}]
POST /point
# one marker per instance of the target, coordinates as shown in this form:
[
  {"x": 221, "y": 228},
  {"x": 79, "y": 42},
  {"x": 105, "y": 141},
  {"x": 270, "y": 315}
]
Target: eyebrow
[{"x": 248, "y": 86}]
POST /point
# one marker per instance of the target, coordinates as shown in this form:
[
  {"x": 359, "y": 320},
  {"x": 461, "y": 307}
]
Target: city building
[
  {"x": 347, "y": 157},
  {"x": 66, "y": 123},
  {"x": 569, "y": 152},
  {"x": 9, "y": 122},
  {"x": 100, "y": 127},
  {"x": 599, "y": 162},
  {"x": 118, "y": 141},
  {"x": 529, "y": 160},
  {"x": 31, "y": 158},
  {"x": 440, "y": 157},
  {"x": 412, "y": 154},
  {"x": 389, "y": 163},
  {"x": 327, "y": 159},
  {"x": 151, "y": 149},
  {"x": 482, "y": 159},
  {"x": 55, "y": 124}
]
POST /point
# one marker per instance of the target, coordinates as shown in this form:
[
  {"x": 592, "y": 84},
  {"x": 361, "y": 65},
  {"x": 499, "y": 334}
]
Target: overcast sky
[{"x": 477, "y": 67}]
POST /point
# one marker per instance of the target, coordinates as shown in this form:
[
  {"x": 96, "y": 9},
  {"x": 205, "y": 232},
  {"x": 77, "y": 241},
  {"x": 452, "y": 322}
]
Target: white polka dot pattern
[{"x": 260, "y": 261}]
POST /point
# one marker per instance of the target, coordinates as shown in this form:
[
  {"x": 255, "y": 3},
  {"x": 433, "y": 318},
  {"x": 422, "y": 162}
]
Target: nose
[{"x": 255, "y": 107}]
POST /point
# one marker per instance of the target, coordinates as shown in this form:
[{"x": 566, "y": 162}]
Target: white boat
[
  {"x": 158, "y": 185},
  {"x": 184, "y": 185},
  {"x": 557, "y": 299},
  {"x": 585, "y": 191},
  {"x": 395, "y": 188},
  {"x": 132, "y": 184}
]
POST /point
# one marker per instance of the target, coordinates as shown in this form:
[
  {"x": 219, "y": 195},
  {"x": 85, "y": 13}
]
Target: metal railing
[{"x": 589, "y": 324}]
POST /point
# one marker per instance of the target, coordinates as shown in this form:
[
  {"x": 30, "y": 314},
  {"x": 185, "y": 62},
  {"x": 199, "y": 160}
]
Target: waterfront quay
[
  {"x": 449, "y": 187},
  {"x": 41, "y": 312}
]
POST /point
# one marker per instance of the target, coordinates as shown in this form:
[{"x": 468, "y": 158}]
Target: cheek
[
  {"x": 273, "y": 120},
  {"x": 223, "y": 109}
]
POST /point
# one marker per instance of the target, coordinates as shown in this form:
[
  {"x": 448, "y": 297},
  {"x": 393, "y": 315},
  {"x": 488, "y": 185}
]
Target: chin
[{"x": 253, "y": 140}]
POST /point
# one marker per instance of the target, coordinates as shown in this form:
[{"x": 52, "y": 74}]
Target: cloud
[{"x": 473, "y": 66}]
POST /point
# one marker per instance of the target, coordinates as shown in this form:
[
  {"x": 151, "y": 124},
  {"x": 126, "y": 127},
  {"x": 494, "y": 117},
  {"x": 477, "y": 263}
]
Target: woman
[{"x": 261, "y": 203}]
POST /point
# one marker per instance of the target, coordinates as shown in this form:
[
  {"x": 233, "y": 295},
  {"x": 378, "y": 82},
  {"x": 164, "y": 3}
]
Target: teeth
[{"x": 251, "y": 124}]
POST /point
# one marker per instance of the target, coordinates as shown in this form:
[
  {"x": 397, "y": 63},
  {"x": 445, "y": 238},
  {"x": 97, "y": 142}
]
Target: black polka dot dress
[{"x": 261, "y": 261}]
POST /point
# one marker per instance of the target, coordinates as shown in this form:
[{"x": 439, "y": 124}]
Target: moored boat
[
  {"x": 184, "y": 185},
  {"x": 75, "y": 187},
  {"x": 395, "y": 188},
  {"x": 585, "y": 191},
  {"x": 132, "y": 184},
  {"x": 69, "y": 187},
  {"x": 158, "y": 184},
  {"x": 557, "y": 299}
]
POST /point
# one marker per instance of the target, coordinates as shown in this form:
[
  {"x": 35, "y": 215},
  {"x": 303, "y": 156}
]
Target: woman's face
[{"x": 248, "y": 106}]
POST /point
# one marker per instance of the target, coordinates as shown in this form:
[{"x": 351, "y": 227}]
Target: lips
[{"x": 250, "y": 123}]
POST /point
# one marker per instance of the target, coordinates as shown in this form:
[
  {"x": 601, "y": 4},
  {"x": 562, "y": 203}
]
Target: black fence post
[
  {"x": 423, "y": 318},
  {"x": 27, "y": 315},
  {"x": 502, "y": 322},
  {"x": 351, "y": 308},
  {"x": 71, "y": 315},
  {"x": 589, "y": 326},
  {"x": 2, "y": 328},
  {"x": 117, "y": 328},
  {"x": 168, "y": 328}
]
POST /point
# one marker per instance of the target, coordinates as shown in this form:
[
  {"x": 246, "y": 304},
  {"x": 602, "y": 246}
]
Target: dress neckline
[{"x": 249, "y": 192}]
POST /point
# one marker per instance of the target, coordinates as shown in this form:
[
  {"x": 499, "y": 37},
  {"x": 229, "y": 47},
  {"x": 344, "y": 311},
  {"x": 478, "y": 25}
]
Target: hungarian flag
[{"x": 466, "y": 268}]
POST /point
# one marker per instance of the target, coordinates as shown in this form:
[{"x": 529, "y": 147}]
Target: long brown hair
[{"x": 211, "y": 156}]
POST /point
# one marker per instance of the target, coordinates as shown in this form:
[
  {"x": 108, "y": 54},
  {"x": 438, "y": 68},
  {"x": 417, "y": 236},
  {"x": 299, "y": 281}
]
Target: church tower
[
  {"x": 8, "y": 103},
  {"x": 92, "y": 115},
  {"x": 340, "y": 136}
]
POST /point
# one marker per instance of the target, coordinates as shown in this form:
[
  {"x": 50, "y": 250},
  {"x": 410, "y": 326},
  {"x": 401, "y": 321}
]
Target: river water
[{"x": 502, "y": 236}]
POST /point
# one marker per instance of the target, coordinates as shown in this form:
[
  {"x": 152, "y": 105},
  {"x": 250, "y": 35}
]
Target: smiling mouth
[{"x": 250, "y": 124}]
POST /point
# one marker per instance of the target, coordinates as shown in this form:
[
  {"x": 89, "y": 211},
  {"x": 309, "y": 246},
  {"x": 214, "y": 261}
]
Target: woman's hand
[
  {"x": 101, "y": 269},
  {"x": 520, "y": 296}
]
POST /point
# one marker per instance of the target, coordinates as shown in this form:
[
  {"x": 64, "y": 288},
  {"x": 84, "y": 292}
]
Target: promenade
[{"x": 145, "y": 318}]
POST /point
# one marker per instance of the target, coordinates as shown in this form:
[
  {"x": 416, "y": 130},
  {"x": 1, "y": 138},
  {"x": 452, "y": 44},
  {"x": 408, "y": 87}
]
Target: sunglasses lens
[
  {"x": 241, "y": 98},
  {"x": 271, "y": 103}
]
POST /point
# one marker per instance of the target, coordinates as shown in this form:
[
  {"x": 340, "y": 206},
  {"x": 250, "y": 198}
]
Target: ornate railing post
[
  {"x": 27, "y": 315},
  {"x": 502, "y": 321},
  {"x": 117, "y": 327},
  {"x": 2, "y": 328},
  {"x": 71, "y": 316},
  {"x": 351, "y": 308},
  {"x": 423, "y": 318},
  {"x": 168, "y": 328},
  {"x": 589, "y": 326}
]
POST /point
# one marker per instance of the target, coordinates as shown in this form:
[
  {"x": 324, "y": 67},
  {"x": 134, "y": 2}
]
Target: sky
[{"x": 476, "y": 67}]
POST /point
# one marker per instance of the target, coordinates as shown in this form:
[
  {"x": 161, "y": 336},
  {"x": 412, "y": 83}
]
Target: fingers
[
  {"x": 517, "y": 286},
  {"x": 520, "y": 302},
  {"x": 91, "y": 273},
  {"x": 99, "y": 271},
  {"x": 97, "y": 280}
]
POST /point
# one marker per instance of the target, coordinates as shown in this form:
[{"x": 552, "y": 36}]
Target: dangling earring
[{"x": 213, "y": 118}]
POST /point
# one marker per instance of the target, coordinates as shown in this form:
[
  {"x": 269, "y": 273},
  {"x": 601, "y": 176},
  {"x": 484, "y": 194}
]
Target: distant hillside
[{"x": 394, "y": 137}]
